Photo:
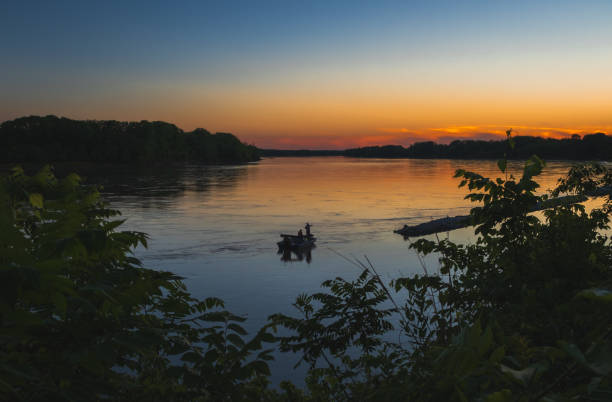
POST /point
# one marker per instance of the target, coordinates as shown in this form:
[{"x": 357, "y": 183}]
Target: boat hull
[
  {"x": 292, "y": 241},
  {"x": 295, "y": 243}
]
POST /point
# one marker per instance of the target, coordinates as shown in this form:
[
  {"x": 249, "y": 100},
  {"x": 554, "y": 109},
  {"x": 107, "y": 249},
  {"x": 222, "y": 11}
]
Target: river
[{"x": 217, "y": 226}]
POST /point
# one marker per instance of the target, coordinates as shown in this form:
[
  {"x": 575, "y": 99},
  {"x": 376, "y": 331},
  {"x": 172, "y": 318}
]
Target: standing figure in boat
[
  {"x": 300, "y": 234},
  {"x": 307, "y": 227}
]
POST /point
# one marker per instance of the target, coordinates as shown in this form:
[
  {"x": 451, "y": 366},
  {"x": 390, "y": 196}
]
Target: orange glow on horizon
[
  {"x": 288, "y": 79},
  {"x": 404, "y": 136},
  {"x": 352, "y": 113}
]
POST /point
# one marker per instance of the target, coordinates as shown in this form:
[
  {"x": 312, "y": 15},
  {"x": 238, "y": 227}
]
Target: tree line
[
  {"x": 53, "y": 139},
  {"x": 590, "y": 147}
]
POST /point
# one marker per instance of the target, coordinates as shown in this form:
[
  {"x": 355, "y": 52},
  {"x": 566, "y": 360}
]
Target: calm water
[{"x": 218, "y": 226}]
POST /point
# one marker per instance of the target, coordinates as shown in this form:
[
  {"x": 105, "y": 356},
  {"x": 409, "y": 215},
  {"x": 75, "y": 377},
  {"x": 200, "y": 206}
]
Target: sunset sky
[{"x": 308, "y": 74}]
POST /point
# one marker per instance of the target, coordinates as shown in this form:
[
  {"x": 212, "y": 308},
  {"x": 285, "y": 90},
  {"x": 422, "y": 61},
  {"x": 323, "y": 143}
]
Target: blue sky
[{"x": 222, "y": 64}]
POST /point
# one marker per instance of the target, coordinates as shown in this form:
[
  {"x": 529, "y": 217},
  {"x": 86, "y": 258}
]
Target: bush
[
  {"x": 525, "y": 313},
  {"x": 81, "y": 319}
]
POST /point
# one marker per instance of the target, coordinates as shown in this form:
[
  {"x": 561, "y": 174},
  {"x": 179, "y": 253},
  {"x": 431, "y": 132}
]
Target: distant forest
[
  {"x": 590, "y": 147},
  {"x": 54, "y": 139},
  {"x": 301, "y": 152}
]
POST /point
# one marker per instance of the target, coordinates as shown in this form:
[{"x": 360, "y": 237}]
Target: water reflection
[
  {"x": 155, "y": 187},
  {"x": 296, "y": 254}
]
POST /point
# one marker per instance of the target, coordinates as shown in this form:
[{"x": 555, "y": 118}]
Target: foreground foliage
[
  {"x": 522, "y": 314},
  {"x": 81, "y": 319}
]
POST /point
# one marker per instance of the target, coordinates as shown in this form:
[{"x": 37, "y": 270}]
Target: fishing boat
[{"x": 293, "y": 241}]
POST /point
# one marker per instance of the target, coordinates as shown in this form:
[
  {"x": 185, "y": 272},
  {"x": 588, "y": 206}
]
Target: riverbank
[{"x": 596, "y": 146}]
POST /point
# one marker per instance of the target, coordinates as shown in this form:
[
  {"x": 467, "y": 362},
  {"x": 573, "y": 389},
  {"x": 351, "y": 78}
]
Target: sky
[{"x": 315, "y": 74}]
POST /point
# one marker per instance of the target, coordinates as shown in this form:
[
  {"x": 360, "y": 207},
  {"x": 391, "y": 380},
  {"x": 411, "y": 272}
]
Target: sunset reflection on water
[{"x": 218, "y": 226}]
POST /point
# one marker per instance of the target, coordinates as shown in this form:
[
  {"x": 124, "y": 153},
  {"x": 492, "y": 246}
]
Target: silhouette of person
[
  {"x": 300, "y": 234},
  {"x": 307, "y": 229}
]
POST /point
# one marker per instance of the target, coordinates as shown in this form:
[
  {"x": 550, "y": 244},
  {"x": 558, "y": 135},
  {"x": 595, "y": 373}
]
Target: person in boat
[
  {"x": 307, "y": 227},
  {"x": 300, "y": 234}
]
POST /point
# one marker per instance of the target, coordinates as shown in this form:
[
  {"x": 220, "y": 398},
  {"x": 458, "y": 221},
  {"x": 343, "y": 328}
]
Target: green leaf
[
  {"x": 601, "y": 295},
  {"x": 191, "y": 357},
  {"x": 574, "y": 352},
  {"x": 485, "y": 342},
  {"x": 533, "y": 167},
  {"x": 501, "y": 164},
  {"x": 211, "y": 356},
  {"x": 497, "y": 354},
  {"x": 594, "y": 384},
  {"x": 237, "y": 328},
  {"x": 510, "y": 139},
  {"x": 60, "y": 303},
  {"x": 260, "y": 367},
  {"x": 523, "y": 376},
  {"x": 235, "y": 340},
  {"x": 36, "y": 200},
  {"x": 499, "y": 396}
]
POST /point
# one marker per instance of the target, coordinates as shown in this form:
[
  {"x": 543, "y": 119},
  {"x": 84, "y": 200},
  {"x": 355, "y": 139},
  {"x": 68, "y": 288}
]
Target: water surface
[{"x": 218, "y": 226}]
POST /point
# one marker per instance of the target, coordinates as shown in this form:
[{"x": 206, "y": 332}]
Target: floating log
[
  {"x": 462, "y": 221},
  {"x": 436, "y": 226}
]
